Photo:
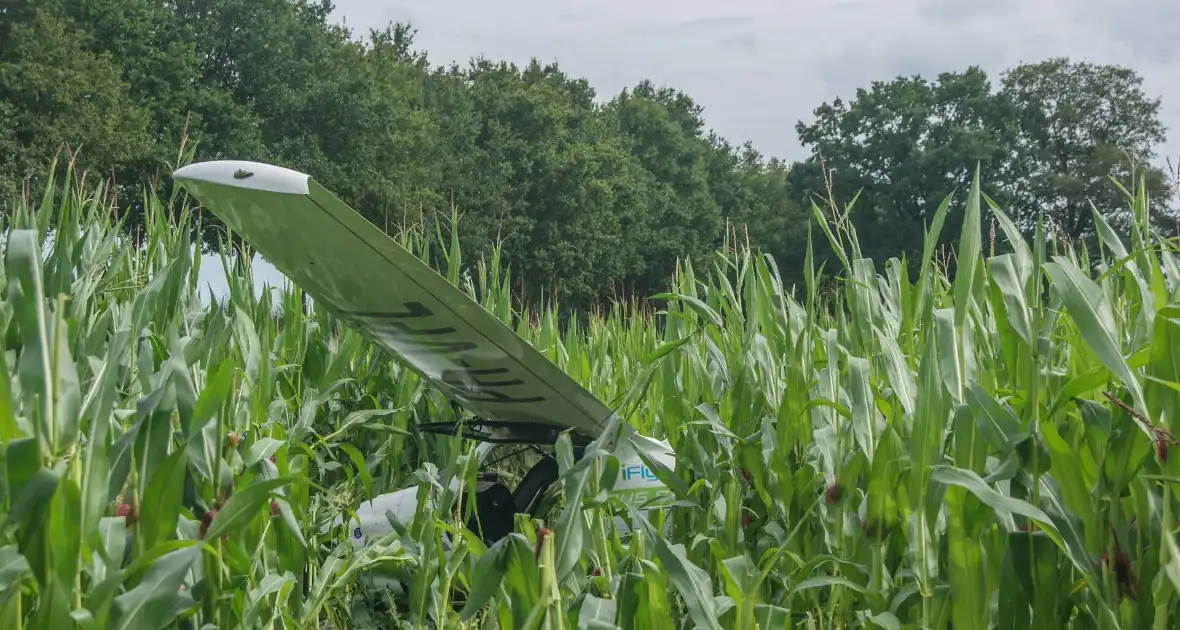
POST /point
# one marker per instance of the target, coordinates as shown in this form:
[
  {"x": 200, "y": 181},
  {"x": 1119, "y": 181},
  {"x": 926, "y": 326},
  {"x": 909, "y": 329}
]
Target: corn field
[{"x": 988, "y": 450}]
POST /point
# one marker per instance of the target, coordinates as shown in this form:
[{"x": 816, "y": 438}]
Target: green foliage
[
  {"x": 988, "y": 451},
  {"x": 589, "y": 199},
  {"x": 58, "y": 91},
  {"x": 1079, "y": 123},
  {"x": 1047, "y": 140},
  {"x": 905, "y": 145}
]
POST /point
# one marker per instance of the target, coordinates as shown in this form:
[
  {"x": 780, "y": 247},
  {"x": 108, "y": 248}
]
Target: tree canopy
[
  {"x": 1046, "y": 140},
  {"x": 591, "y": 197}
]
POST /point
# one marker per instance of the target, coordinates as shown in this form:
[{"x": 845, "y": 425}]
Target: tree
[
  {"x": 545, "y": 173},
  {"x": 1078, "y": 124},
  {"x": 904, "y": 145},
  {"x": 662, "y": 129},
  {"x": 157, "y": 47},
  {"x": 55, "y": 92},
  {"x": 348, "y": 110},
  {"x": 593, "y": 201},
  {"x": 1045, "y": 141},
  {"x": 756, "y": 198}
]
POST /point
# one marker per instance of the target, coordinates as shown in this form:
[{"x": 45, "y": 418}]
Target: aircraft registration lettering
[
  {"x": 414, "y": 310},
  {"x": 472, "y": 371},
  {"x": 460, "y": 374}
]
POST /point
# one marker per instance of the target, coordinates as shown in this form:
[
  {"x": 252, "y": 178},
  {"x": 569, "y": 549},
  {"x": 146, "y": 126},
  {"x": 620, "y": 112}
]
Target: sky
[{"x": 758, "y": 67}]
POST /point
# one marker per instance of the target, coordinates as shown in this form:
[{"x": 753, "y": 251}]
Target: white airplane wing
[{"x": 386, "y": 293}]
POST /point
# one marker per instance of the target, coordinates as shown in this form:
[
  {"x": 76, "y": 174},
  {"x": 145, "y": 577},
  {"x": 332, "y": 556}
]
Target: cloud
[
  {"x": 1149, "y": 28},
  {"x": 954, "y": 10},
  {"x": 758, "y": 66},
  {"x": 748, "y": 43}
]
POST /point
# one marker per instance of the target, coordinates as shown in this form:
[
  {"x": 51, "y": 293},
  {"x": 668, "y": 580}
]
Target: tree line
[{"x": 591, "y": 198}]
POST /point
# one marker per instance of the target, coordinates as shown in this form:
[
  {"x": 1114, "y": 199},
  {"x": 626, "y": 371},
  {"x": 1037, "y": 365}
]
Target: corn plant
[{"x": 983, "y": 445}]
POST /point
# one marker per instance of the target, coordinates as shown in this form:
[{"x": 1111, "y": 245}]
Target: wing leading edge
[{"x": 395, "y": 300}]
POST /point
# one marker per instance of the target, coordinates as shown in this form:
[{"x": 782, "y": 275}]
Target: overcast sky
[{"x": 759, "y": 66}]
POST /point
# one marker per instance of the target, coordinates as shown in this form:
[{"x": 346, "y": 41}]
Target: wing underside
[{"x": 395, "y": 300}]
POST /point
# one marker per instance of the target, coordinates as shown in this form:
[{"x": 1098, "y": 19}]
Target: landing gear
[
  {"x": 496, "y": 506},
  {"x": 493, "y": 517}
]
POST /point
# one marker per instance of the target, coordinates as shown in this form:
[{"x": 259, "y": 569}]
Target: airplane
[{"x": 371, "y": 283}]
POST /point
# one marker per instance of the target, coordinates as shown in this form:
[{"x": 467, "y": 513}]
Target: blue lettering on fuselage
[{"x": 640, "y": 471}]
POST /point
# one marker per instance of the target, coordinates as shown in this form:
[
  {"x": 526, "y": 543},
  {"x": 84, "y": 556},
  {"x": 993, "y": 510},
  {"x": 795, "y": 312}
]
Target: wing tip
[{"x": 245, "y": 174}]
